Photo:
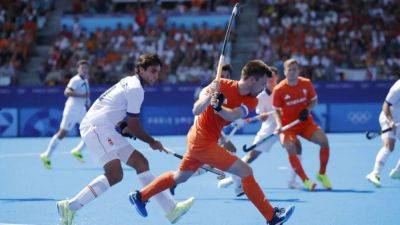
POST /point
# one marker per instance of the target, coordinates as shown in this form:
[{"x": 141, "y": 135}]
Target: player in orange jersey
[
  {"x": 224, "y": 102},
  {"x": 293, "y": 98}
]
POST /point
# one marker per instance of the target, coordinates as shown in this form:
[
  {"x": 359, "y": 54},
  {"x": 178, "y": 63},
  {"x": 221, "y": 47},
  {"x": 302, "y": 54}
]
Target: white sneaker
[
  {"x": 293, "y": 184},
  {"x": 224, "y": 183},
  {"x": 66, "y": 215},
  {"x": 374, "y": 178},
  {"x": 394, "y": 174},
  {"x": 239, "y": 191},
  {"x": 180, "y": 209}
]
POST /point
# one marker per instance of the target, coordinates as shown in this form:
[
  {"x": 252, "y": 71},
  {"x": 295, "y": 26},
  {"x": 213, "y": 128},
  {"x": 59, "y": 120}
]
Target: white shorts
[
  {"x": 384, "y": 125},
  {"x": 71, "y": 118},
  {"x": 105, "y": 144},
  {"x": 261, "y": 134}
]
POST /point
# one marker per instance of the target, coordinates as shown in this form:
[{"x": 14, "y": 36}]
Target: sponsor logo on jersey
[
  {"x": 296, "y": 101},
  {"x": 287, "y": 97},
  {"x": 110, "y": 142}
]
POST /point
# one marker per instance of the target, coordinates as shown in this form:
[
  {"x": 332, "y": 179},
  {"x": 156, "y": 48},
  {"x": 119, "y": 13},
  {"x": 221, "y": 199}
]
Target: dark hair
[
  {"x": 274, "y": 70},
  {"x": 228, "y": 68},
  {"x": 82, "y": 62},
  {"x": 146, "y": 60},
  {"x": 257, "y": 69}
]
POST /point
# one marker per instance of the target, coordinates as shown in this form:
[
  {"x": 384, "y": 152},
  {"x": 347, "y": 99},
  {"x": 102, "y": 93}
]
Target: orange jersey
[
  {"x": 292, "y": 99},
  {"x": 207, "y": 127}
]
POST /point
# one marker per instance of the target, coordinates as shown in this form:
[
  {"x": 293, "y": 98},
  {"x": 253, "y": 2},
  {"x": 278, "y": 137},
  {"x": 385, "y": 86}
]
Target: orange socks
[
  {"x": 158, "y": 185},
  {"x": 296, "y": 165},
  {"x": 323, "y": 158},
  {"x": 257, "y": 197}
]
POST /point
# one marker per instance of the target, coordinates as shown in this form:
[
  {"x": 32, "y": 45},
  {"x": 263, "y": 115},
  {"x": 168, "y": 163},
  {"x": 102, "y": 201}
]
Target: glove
[
  {"x": 220, "y": 98},
  {"x": 303, "y": 115},
  {"x": 122, "y": 128}
]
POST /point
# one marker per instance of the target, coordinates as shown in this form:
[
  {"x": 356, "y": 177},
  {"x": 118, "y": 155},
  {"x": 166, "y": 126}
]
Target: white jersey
[
  {"x": 122, "y": 99},
  {"x": 79, "y": 85},
  {"x": 393, "y": 98},
  {"x": 264, "y": 106}
]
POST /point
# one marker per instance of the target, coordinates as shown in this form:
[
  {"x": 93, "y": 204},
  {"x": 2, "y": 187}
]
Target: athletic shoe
[
  {"x": 374, "y": 178},
  {"x": 136, "y": 199},
  {"x": 180, "y": 209},
  {"x": 46, "y": 161},
  {"x": 281, "y": 215},
  {"x": 66, "y": 215},
  {"x": 323, "y": 178},
  {"x": 226, "y": 182},
  {"x": 77, "y": 155},
  {"x": 293, "y": 184},
  {"x": 309, "y": 185},
  {"x": 394, "y": 174},
  {"x": 239, "y": 191}
]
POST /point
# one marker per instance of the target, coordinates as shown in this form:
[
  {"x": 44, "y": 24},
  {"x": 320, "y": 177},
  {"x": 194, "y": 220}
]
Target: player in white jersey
[
  {"x": 75, "y": 108},
  {"x": 389, "y": 118},
  {"x": 109, "y": 148},
  {"x": 268, "y": 126}
]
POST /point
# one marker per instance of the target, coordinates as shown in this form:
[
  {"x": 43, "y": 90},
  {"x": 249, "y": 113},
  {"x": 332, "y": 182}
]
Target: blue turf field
[{"x": 28, "y": 192}]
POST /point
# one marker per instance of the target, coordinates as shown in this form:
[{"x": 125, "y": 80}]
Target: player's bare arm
[
  {"x": 388, "y": 113},
  {"x": 201, "y": 104},
  {"x": 135, "y": 128},
  {"x": 231, "y": 114},
  {"x": 278, "y": 119},
  {"x": 69, "y": 92}
]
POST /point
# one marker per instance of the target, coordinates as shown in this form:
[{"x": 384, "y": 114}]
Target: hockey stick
[
  {"x": 227, "y": 35},
  {"x": 236, "y": 127},
  {"x": 221, "y": 174},
  {"x": 288, "y": 126},
  {"x": 371, "y": 135}
]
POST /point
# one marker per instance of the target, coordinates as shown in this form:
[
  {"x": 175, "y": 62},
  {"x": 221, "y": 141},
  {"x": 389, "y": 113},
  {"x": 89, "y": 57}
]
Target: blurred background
[{"x": 349, "y": 49}]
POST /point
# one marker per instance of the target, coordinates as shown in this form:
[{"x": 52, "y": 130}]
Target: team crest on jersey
[
  {"x": 287, "y": 97},
  {"x": 110, "y": 142},
  {"x": 304, "y": 91}
]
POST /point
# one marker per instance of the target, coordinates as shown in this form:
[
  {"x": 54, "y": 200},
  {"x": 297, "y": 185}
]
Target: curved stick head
[
  {"x": 244, "y": 148},
  {"x": 369, "y": 135}
]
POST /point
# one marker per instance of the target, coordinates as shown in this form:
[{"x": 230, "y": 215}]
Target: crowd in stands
[
  {"x": 327, "y": 35},
  {"x": 19, "y": 24},
  {"x": 189, "y": 54}
]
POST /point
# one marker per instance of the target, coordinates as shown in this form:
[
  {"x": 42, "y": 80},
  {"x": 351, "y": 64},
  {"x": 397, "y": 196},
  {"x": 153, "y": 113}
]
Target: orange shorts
[
  {"x": 213, "y": 155},
  {"x": 305, "y": 129}
]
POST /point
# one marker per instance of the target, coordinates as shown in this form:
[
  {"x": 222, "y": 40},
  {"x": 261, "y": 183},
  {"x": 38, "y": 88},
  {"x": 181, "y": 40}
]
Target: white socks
[
  {"x": 164, "y": 199},
  {"x": 237, "y": 180},
  {"x": 293, "y": 173},
  {"x": 52, "y": 145},
  {"x": 79, "y": 147},
  {"x": 90, "y": 192},
  {"x": 380, "y": 160}
]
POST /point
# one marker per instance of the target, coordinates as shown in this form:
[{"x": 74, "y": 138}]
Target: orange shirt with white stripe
[
  {"x": 291, "y": 100},
  {"x": 208, "y": 125}
]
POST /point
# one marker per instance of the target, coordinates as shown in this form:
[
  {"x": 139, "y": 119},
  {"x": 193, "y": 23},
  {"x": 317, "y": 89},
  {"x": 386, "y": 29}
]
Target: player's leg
[
  {"x": 293, "y": 184},
  {"x": 101, "y": 147},
  {"x": 76, "y": 152},
  {"x": 165, "y": 181},
  {"x": 395, "y": 173},
  {"x": 220, "y": 158},
  {"x": 316, "y": 135},
  {"x": 57, "y": 137},
  {"x": 381, "y": 158},
  {"x": 289, "y": 142},
  {"x": 136, "y": 160}
]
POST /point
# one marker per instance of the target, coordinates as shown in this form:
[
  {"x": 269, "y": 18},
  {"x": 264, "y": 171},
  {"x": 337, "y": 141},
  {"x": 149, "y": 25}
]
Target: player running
[
  {"x": 77, "y": 104},
  {"x": 224, "y": 102},
  {"x": 389, "y": 118},
  {"x": 294, "y": 98},
  {"x": 109, "y": 148},
  {"x": 268, "y": 127}
]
